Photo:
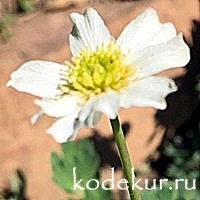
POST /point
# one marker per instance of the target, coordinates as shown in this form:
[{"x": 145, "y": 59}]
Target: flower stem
[{"x": 124, "y": 157}]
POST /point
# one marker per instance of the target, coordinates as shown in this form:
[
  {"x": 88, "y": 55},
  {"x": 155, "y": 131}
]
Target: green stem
[{"x": 124, "y": 157}]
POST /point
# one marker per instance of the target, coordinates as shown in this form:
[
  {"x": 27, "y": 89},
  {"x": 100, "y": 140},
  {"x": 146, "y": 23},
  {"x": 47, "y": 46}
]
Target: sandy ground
[{"x": 43, "y": 35}]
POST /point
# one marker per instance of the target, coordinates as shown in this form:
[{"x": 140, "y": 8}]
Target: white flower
[{"x": 105, "y": 74}]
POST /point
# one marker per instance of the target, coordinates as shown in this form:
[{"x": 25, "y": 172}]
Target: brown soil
[{"x": 43, "y": 35}]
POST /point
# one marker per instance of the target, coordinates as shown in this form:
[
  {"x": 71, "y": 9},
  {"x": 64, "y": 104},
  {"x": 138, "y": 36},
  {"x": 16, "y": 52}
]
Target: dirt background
[{"x": 44, "y": 35}]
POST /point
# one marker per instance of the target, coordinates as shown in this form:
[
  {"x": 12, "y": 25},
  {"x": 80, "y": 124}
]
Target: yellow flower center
[{"x": 96, "y": 72}]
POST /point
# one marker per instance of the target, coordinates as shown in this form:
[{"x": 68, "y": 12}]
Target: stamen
[{"x": 95, "y": 72}]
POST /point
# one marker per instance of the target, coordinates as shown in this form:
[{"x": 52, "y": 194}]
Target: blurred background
[{"x": 162, "y": 143}]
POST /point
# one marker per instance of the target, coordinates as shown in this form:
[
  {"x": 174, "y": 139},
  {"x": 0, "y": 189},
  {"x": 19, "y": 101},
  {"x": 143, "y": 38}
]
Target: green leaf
[
  {"x": 165, "y": 193},
  {"x": 17, "y": 188},
  {"x": 98, "y": 194},
  {"x": 6, "y": 34},
  {"x": 168, "y": 192},
  {"x": 26, "y": 5},
  {"x": 79, "y": 156},
  {"x": 5, "y": 22}
]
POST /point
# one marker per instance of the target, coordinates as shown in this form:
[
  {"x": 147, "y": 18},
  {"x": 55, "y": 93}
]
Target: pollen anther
[{"x": 96, "y": 72}]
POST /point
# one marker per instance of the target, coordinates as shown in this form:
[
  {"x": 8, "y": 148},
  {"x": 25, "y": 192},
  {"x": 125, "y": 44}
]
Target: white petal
[
  {"x": 154, "y": 59},
  {"x": 86, "y": 110},
  {"x": 61, "y": 107},
  {"x": 108, "y": 103},
  {"x": 88, "y": 115},
  {"x": 93, "y": 119},
  {"x": 145, "y": 30},
  {"x": 63, "y": 129},
  {"x": 89, "y": 30},
  {"x": 148, "y": 92},
  {"x": 36, "y": 117},
  {"x": 40, "y": 78}
]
